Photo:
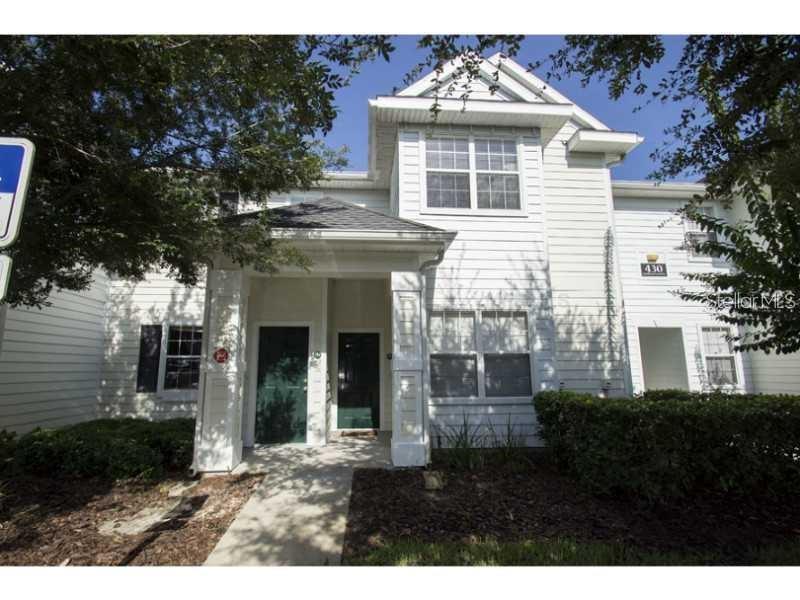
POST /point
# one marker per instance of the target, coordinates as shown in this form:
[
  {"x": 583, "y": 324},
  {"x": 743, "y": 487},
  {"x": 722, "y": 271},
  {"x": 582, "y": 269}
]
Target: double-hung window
[
  {"x": 479, "y": 354},
  {"x": 719, "y": 357},
  {"x": 695, "y": 235},
  {"x": 169, "y": 358},
  {"x": 454, "y": 357},
  {"x": 497, "y": 175},
  {"x": 506, "y": 358},
  {"x": 447, "y": 164},
  {"x": 466, "y": 173},
  {"x": 182, "y": 369}
]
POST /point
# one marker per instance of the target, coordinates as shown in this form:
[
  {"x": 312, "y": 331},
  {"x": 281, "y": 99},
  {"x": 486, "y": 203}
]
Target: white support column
[
  {"x": 218, "y": 442},
  {"x": 409, "y": 436}
]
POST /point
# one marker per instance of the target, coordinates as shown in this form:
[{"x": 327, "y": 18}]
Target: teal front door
[
  {"x": 358, "y": 394},
  {"x": 281, "y": 405}
]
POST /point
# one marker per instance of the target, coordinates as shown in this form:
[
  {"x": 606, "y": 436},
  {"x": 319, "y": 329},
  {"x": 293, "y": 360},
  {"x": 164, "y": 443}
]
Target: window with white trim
[
  {"x": 695, "y": 235},
  {"x": 497, "y": 176},
  {"x": 506, "y": 358},
  {"x": 495, "y": 363},
  {"x": 453, "y": 354},
  {"x": 182, "y": 368},
  {"x": 169, "y": 358},
  {"x": 719, "y": 357},
  {"x": 447, "y": 163},
  {"x": 467, "y": 172}
]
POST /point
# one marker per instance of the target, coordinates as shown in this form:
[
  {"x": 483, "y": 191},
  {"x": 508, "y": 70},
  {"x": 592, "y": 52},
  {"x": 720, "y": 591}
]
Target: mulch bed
[
  {"x": 538, "y": 502},
  {"x": 50, "y": 522}
]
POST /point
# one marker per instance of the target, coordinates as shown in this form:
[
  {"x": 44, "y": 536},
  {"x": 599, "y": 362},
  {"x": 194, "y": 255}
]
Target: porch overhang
[
  {"x": 338, "y": 236},
  {"x": 403, "y": 109},
  {"x": 362, "y": 253}
]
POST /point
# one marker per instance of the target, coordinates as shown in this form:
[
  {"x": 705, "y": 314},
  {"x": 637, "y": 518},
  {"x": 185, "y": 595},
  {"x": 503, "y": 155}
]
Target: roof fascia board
[
  {"x": 613, "y": 142},
  {"x": 488, "y": 70},
  {"x": 475, "y": 106},
  {"x": 363, "y": 235},
  {"x": 544, "y": 89},
  {"x": 426, "y": 82},
  {"x": 348, "y": 182},
  {"x": 651, "y": 189}
]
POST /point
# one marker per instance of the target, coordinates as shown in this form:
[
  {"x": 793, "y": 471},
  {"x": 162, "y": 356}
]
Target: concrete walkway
[{"x": 297, "y": 516}]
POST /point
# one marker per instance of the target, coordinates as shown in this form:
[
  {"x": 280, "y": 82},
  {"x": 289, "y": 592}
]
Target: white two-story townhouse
[{"x": 484, "y": 256}]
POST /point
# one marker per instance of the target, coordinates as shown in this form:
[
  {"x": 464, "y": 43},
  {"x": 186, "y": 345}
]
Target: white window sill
[
  {"x": 177, "y": 395},
  {"x": 475, "y": 212}
]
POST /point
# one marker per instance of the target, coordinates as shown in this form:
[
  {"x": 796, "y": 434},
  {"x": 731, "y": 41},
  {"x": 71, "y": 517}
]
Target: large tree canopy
[
  {"x": 741, "y": 135},
  {"x": 136, "y": 135}
]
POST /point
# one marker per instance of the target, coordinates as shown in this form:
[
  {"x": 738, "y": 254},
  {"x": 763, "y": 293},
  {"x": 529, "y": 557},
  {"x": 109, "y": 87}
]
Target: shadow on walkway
[{"x": 298, "y": 514}]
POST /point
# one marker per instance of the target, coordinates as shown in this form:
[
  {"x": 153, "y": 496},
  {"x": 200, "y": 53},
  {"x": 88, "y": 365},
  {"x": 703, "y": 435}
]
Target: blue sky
[{"x": 350, "y": 127}]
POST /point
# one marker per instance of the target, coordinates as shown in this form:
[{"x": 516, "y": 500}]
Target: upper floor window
[
  {"x": 695, "y": 235},
  {"x": 497, "y": 176},
  {"x": 447, "y": 163},
  {"x": 472, "y": 173}
]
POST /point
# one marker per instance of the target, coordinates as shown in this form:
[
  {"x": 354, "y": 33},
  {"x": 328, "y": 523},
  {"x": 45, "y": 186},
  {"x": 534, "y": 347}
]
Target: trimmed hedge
[
  {"x": 666, "y": 445},
  {"x": 107, "y": 448}
]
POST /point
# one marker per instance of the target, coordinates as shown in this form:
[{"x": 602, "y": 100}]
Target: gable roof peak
[{"x": 512, "y": 82}]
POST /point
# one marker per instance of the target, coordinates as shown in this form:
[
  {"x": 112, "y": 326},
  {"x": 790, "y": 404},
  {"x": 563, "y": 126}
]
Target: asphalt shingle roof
[{"x": 328, "y": 213}]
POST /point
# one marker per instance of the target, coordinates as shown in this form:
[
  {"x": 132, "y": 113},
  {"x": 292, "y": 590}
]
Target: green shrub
[
  {"x": 108, "y": 448},
  {"x": 664, "y": 447},
  {"x": 8, "y": 445}
]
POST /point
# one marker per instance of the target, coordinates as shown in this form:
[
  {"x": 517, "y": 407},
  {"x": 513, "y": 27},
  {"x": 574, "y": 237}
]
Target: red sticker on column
[{"x": 221, "y": 355}]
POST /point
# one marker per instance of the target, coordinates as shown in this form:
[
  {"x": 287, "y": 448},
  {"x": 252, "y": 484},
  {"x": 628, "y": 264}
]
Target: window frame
[
  {"x": 479, "y": 354},
  {"x": 737, "y": 359},
  {"x": 689, "y": 227},
  {"x": 473, "y": 210},
  {"x": 172, "y": 395}
]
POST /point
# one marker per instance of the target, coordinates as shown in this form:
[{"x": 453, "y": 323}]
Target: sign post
[
  {"x": 16, "y": 160},
  {"x": 5, "y": 272}
]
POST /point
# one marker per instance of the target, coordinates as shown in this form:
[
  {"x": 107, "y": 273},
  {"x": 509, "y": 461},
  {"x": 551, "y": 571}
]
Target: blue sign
[
  {"x": 10, "y": 167},
  {"x": 16, "y": 159}
]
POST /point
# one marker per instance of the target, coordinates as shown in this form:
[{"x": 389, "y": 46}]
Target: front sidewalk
[{"x": 297, "y": 516}]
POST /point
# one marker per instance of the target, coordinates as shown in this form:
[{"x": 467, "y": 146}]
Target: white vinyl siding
[
  {"x": 51, "y": 359},
  {"x": 157, "y": 300},
  {"x": 649, "y": 226},
  {"x": 586, "y": 301},
  {"x": 496, "y": 262}
]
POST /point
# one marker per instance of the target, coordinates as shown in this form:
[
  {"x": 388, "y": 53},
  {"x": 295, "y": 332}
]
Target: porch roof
[{"x": 331, "y": 214}]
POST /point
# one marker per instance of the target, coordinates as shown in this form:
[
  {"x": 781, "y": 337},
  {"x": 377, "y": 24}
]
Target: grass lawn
[
  {"x": 528, "y": 513},
  {"x": 559, "y": 552}
]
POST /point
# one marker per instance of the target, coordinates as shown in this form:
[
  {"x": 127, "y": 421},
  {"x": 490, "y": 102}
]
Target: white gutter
[
  {"x": 364, "y": 235},
  {"x": 652, "y": 189},
  {"x": 609, "y": 142}
]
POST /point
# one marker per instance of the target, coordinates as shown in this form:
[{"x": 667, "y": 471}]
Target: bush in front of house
[
  {"x": 663, "y": 447},
  {"x": 8, "y": 445},
  {"x": 107, "y": 448}
]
